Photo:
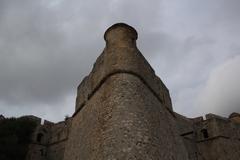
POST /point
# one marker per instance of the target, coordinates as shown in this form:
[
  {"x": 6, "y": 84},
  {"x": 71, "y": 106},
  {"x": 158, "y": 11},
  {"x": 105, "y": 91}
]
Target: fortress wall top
[
  {"x": 60, "y": 131},
  {"x": 216, "y": 126}
]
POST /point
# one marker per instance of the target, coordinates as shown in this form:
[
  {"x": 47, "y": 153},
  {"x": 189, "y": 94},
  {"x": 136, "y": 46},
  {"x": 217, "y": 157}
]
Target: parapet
[
  {"x": 235, "y": 117},
  {"x": 48, "y": 123},
  {"x": 211, "y": 116},
  {"x": 121, "y": 56}
]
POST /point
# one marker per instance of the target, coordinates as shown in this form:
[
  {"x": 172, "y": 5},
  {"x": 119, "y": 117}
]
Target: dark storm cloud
[{"x": 47, "y": 47}]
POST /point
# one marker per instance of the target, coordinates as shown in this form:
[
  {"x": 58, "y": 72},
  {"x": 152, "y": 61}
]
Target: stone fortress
[{"x": 124, "y": 112}]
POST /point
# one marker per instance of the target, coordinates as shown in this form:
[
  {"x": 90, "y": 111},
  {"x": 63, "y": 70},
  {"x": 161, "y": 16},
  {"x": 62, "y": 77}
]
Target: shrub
[{"x": 15, "y": 135}]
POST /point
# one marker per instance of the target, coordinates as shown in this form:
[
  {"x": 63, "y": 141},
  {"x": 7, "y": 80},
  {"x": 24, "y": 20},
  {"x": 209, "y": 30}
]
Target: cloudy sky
[{"x": 48, "y": 46}]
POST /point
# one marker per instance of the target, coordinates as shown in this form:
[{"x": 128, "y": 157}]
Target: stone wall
[
  {"x": 218, "y": 138},
  {"x": 56, "y": 150},
  {"x": 123, "y": 131},
  {"x": 38, "y": 146},
  {"x": 36, "y": 152},
  {"x": 121, "y": 122},
  {"x": 48, "y": 141},
  {"x": 214, "y": 138},
  {"x": 186, "y": 131},
  {"x": 123, "y": 110},
  {"x": 57, "y": 140}
]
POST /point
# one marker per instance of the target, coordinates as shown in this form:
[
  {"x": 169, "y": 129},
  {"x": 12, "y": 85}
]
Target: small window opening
[
  {"x": 205, "y": 133},
  {"x": 39, "y": 137},
  {"x": 42, "y": 152}
]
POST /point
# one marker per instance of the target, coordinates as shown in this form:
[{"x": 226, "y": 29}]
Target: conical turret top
[{"x": 120, "y": 35}]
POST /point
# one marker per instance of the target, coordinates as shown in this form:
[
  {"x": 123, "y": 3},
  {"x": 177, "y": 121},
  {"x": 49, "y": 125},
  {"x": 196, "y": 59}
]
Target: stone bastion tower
[{"x": 123, "y": 110}]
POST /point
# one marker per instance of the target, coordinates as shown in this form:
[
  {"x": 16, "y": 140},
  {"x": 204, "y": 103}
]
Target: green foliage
[{"x": 15, "y": 135}]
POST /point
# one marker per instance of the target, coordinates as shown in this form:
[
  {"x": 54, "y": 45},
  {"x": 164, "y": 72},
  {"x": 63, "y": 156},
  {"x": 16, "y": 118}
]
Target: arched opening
[
  {"x": 205, "y": 133},
  {"x": 39, "y": 137}
]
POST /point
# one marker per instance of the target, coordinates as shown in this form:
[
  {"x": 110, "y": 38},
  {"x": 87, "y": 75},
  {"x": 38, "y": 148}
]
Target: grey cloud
[
  {"x": 221, "y": 93},
  {"x": 46, "y": 48},
  {"x": 203, "y": 40},
  {"x": 41, "y": 61}
]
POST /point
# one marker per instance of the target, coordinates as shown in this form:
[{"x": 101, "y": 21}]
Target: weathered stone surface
[
  {"x": 128, "y": 108},
  {"x": 235, "y": 117},
  {"x": 124, "y": 112},
  {"x": 48, "y": 141},
  {"x": 121, "y": 122},
  {"x": 121, "y": 56}
]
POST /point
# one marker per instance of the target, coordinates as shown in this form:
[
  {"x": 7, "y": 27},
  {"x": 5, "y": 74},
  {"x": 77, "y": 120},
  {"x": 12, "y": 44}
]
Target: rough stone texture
[
  {"x": 223, "y": 141},
  {"x": 36, "y": 152},
  {"x": 121, "y": 56},
  {"x": 56, "y": 151},
  {"x": 124, "y": 112},
  {"x": 121, "y": 122},
  {"x": 235, "y": 117},
  {"x": 50, "y": 145},
  {"x": 214, "y": 138}
]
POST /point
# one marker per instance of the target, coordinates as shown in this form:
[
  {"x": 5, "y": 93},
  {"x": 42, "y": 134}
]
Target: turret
[
  {"x": 121, "y": 56},
  {"x": 123, "y": 110}
]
